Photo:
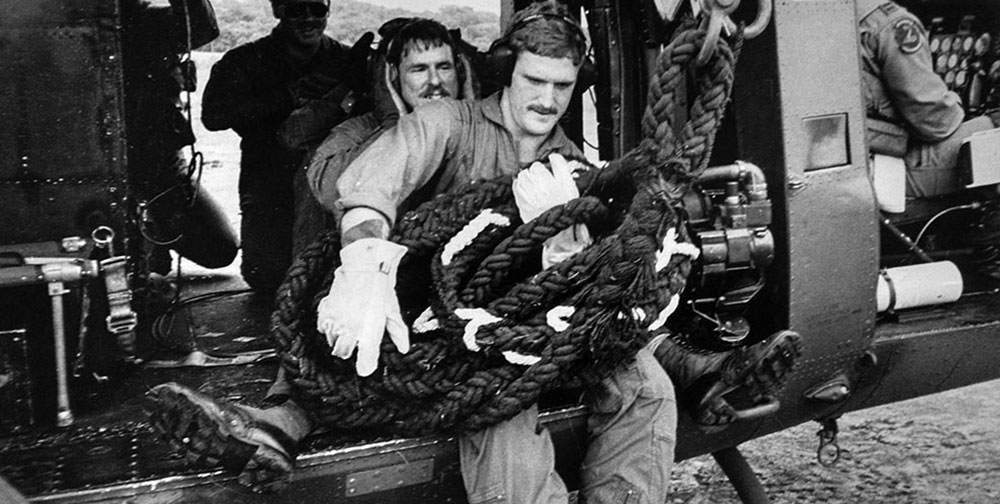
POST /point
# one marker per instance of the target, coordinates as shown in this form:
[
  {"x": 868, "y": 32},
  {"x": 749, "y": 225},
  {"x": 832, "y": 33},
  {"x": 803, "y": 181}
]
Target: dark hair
[
  {"x": 399, "y": 34},
  {"x": 545, "y": 29}
]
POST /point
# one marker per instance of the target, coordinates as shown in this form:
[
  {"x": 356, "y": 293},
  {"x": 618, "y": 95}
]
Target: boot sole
[
  {"x": 215, "y": 434},
  {"x": 762, "y": 373},
  {"x": 764, "y": 369}
]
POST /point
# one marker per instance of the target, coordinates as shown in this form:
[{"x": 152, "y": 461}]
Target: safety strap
[{"x": 121, "y": 319}]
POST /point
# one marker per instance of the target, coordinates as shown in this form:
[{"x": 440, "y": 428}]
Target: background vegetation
[{"x": 241, "y": 21}]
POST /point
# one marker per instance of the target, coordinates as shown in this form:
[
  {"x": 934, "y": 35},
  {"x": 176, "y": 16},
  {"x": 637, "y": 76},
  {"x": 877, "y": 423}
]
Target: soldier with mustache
[
  {"x": 442, "y": 146},
  {"x": 419, "y": 61}
]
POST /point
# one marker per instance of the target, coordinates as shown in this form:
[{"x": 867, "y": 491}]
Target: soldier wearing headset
[
  {"x": 443, "y": 146},
  {"x": 438, "y": 147},
  {"x": 418, "y": 60}
]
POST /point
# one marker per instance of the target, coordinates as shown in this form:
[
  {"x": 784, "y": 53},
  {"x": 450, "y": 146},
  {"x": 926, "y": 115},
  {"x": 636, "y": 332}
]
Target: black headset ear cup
[
  {"x": 587, "y": 76},
  {"x": 497, "y": 64},
  {"x": 505, "y": 60},
  {"x": 500, "y": 59}
]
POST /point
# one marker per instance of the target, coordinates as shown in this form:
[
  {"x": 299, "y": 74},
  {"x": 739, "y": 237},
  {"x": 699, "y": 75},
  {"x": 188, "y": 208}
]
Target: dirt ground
[{"x": 943, "y": 448}]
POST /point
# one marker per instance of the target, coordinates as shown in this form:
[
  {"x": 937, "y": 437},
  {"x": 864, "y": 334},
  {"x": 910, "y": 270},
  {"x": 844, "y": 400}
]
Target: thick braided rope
[
  {"x": 569, "y": 325},
  {"x": 690, "y": 153}
]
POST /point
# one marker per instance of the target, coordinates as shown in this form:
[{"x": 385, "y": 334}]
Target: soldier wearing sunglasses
[{"x": 252, "y": 90}]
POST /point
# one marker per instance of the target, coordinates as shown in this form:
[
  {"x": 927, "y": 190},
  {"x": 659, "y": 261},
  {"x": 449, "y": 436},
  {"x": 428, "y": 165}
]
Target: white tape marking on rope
[
  {"x": 671, "y": 247},
  {"x": 477, "y": 317},
  {"x": 666, "y": 312},
  {"x": 468, "y": 233},
  {"x": 520, "y": 359},
  {"x": 426, "y": 322},
  {"x": 558, "y": 317}
]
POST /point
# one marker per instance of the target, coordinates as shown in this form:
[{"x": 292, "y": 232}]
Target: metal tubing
[
  {"x": 16, "y": 276},
  {"x": 740, "y": 474},
  {"x": 62, "y": 270},
  {"x": 749, "y": 175},
  {"x": 64, "y": 416}
]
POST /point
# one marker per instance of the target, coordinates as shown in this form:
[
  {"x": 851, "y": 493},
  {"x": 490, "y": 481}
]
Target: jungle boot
[
  {"x": 703, "y": 378},
  {"x": 258, "y": 445}
]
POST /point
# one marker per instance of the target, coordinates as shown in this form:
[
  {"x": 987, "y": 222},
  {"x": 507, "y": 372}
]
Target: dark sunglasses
[{"x": 299, "y": 9}]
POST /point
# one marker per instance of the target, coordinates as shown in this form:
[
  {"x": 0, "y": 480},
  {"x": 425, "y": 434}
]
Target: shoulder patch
[{"x": 908, "y": 36}]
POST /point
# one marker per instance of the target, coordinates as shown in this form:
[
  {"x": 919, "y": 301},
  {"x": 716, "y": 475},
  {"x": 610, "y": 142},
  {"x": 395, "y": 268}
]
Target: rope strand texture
[{"x": 601, "y": 299}]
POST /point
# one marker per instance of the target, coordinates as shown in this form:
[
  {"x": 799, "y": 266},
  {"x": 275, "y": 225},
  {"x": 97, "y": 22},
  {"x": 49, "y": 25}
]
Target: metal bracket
[{"x": 388, "y": 478}]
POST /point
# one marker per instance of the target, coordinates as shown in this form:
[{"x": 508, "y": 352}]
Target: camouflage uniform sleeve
[{"x": 918, "y": 94}]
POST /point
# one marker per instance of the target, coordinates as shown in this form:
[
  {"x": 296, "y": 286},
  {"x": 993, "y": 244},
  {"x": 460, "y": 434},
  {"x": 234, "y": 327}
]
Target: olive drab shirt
[
  {"x": 899, "y": 83},
  {"x": 440, "y": 146}
]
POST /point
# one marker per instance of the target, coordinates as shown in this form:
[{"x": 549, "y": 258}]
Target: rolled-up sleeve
[
  {"x": 400, "y": 161},
  {"x": 335, "y": 153}
]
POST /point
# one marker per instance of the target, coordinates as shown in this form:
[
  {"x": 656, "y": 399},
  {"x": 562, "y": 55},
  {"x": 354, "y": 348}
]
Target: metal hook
[
  {"x": 761, "y": 21},
  {"x": 718, "y": 19},
  {"x": 103, "y": 237},
  {"x": 828, "y": 452}
]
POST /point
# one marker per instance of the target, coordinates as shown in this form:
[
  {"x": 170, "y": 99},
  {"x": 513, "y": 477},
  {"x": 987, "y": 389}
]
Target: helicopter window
[{"x": 827, "y": 136}]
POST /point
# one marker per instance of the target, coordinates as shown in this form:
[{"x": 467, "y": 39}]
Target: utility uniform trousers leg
[
  {"x": 266, "y": 236},
  {"x": 512, "y": 462},
  {"x": 631, "y": 435},
  {"x": 631, "y": 431},
  {"x": 932, "y": 168}
]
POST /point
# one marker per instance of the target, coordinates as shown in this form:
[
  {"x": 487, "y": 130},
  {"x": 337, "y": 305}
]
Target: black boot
[
  {"x": 702, "y": 378},
  {"x": 984, "y": 236}
]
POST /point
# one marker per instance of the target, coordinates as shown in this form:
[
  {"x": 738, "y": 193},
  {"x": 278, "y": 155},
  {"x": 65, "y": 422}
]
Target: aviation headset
[{"x": 501, "y": 57}]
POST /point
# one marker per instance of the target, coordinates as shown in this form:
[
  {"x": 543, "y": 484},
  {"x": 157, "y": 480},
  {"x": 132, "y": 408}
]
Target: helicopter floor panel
[{"x": 110, "y": 453}]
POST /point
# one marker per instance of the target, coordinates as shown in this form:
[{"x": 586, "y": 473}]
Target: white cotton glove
[
  {"x": 362, "y": 303},
  {"x": 538, "y": 189}
]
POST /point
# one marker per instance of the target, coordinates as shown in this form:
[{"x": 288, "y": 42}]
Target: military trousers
[
  {"x": 631, "y": 433},
  {"x": 932, "y": 168}
]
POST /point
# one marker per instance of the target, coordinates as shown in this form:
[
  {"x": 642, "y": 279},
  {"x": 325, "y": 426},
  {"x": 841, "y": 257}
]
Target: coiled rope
[{"x": 566, "y": 326}]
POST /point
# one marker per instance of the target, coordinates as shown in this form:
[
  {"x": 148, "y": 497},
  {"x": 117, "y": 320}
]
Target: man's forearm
[{"x": 361, "y": 222}]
